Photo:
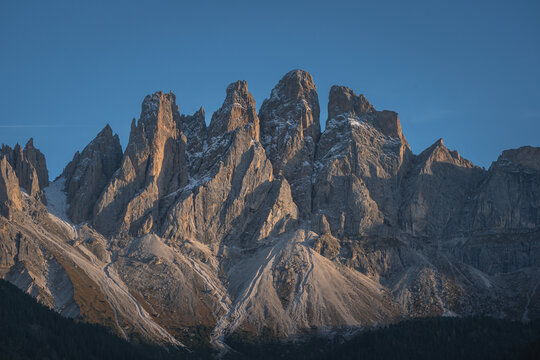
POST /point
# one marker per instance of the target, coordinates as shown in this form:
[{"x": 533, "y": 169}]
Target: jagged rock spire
[
  {"x": 439, "y": 153},
  {"x": 238, "y": 110},
  {"x": 194, "y": 129},
  {"x": 10, "y": 194},
  {"x": 30, "y": 166},
  {"x": 344, "y": 100},
  {"x": 290, "y": 129},
  {"x": 37, "y": 159},
  {"x": 153, "y": 165},
  {"x": 89, "y": 172}
]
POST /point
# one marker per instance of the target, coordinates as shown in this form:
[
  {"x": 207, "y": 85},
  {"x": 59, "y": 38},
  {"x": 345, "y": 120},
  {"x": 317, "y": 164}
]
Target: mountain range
[{"x": 259, "y": 223}]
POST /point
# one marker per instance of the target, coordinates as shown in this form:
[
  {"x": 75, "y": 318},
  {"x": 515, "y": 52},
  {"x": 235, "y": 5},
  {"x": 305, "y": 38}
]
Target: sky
[{"x": 466, "y": 71}]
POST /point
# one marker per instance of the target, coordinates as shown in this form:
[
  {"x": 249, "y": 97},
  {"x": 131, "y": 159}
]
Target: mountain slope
[{"x": 31, "y": 331}]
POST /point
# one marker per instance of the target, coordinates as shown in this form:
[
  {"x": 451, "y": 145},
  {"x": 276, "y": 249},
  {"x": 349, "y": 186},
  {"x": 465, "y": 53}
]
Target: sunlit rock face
[
  {"x": 153, "y": 165},
  {"x": 10, "y": 193},
  {"x": 259, "y": 223},
  {"x": 30, "y": 166}
]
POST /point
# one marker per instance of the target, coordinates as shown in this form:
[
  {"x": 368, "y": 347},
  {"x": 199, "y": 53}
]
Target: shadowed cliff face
[
  {"x": 435, "y": 188},
  {"x": 360, "y": 162},
  {"x": 261, "y": 223},
  {"x": 290, "y": 129},
  {"x": 89, "y": 172}
]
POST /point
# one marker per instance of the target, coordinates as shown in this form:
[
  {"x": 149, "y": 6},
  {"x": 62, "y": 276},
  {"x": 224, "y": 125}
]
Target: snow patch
[
  {"x": 57, "y": 206},
  {"x": 57, "y": 199}
]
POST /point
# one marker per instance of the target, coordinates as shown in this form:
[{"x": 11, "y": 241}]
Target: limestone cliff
[
  {"x": 29, "y": 165},
  {"x": 89, "y": 172},
  {"x": 153, "y": 165},
  {"x": 290, "y": 130}
]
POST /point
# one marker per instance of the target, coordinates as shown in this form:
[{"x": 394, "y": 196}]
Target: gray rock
[
  {"x": 360, "y": 161},
  {"x": 153, "y": 165},
  {"x": 29, "y": 165},
  {"x": 89, "y": 172},
  {"x": 10, "y": 194},
  {"x": 290, "y": 130}
]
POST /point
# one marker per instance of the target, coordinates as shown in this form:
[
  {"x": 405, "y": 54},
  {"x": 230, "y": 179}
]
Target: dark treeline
[
  {"x": 29, "y": 330},
  {"x": 429, "y": 338}
]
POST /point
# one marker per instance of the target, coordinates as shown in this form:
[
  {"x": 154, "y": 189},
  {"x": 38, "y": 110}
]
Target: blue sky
[{"x": 467, "y": 71}]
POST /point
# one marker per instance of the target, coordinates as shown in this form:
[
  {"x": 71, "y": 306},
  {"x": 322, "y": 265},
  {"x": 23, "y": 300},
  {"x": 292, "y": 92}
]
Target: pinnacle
[
  {"x": 436, "y": 144},
  {"x": 299, "y": 74},
  {"x": 199, "y": 113},
  {"x": 344, "y": 100},
  {"x": 106, "y": 131},
  {"x": 430, "y": 150},
  {"x": 30, "y": 143},
  {"x": 239, "y": 86},
  {"x": 238, "y": 94},
  {"x": 294, "y": 85}
]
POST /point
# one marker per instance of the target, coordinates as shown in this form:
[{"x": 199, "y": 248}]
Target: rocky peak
[
  {"x": 439, "y": 142},
  {"x": 509, "y": 197},
  {"x": 26, "y": 173},
  {"x": 30, "y": 166},
  {"x": 159, "y": 126},
  {"x": 155, "y": 103},
  {"x": 194, "y": 125},
  {"x": 194, "y": 129},
  {"x": 295, "y": 85},
  {"x": 233, "y": 197},
  {"x": 153, "y": 165},
  {"x": 290, "y": 129},
  {"x": 435, "y": 190},
  {"x": 343, "y": 100},
  {"x": 294, "y": 102},
  {"x": 439, "y": 153},
  {"x": 526, "y": 157},
  {"x": 10, "y": 194},
  {"x": 159, "y": 119},
  {"x": 360, "y": 161},
  {"x": 388, "y": 122},
  {"x": 238, "y": 110},
  {"x": 105, "y": 132},
  {"x": 89, "y": 172},
  {"x": 37, "y": 160}
]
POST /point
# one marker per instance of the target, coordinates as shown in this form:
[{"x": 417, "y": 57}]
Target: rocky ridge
[
  {"x": 260, "y": 223},
  {"x": 29, "y": 165}
]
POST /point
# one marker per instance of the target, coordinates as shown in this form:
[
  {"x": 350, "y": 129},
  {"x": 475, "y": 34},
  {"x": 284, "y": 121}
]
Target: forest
[{"x": 29, "y": 330}]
